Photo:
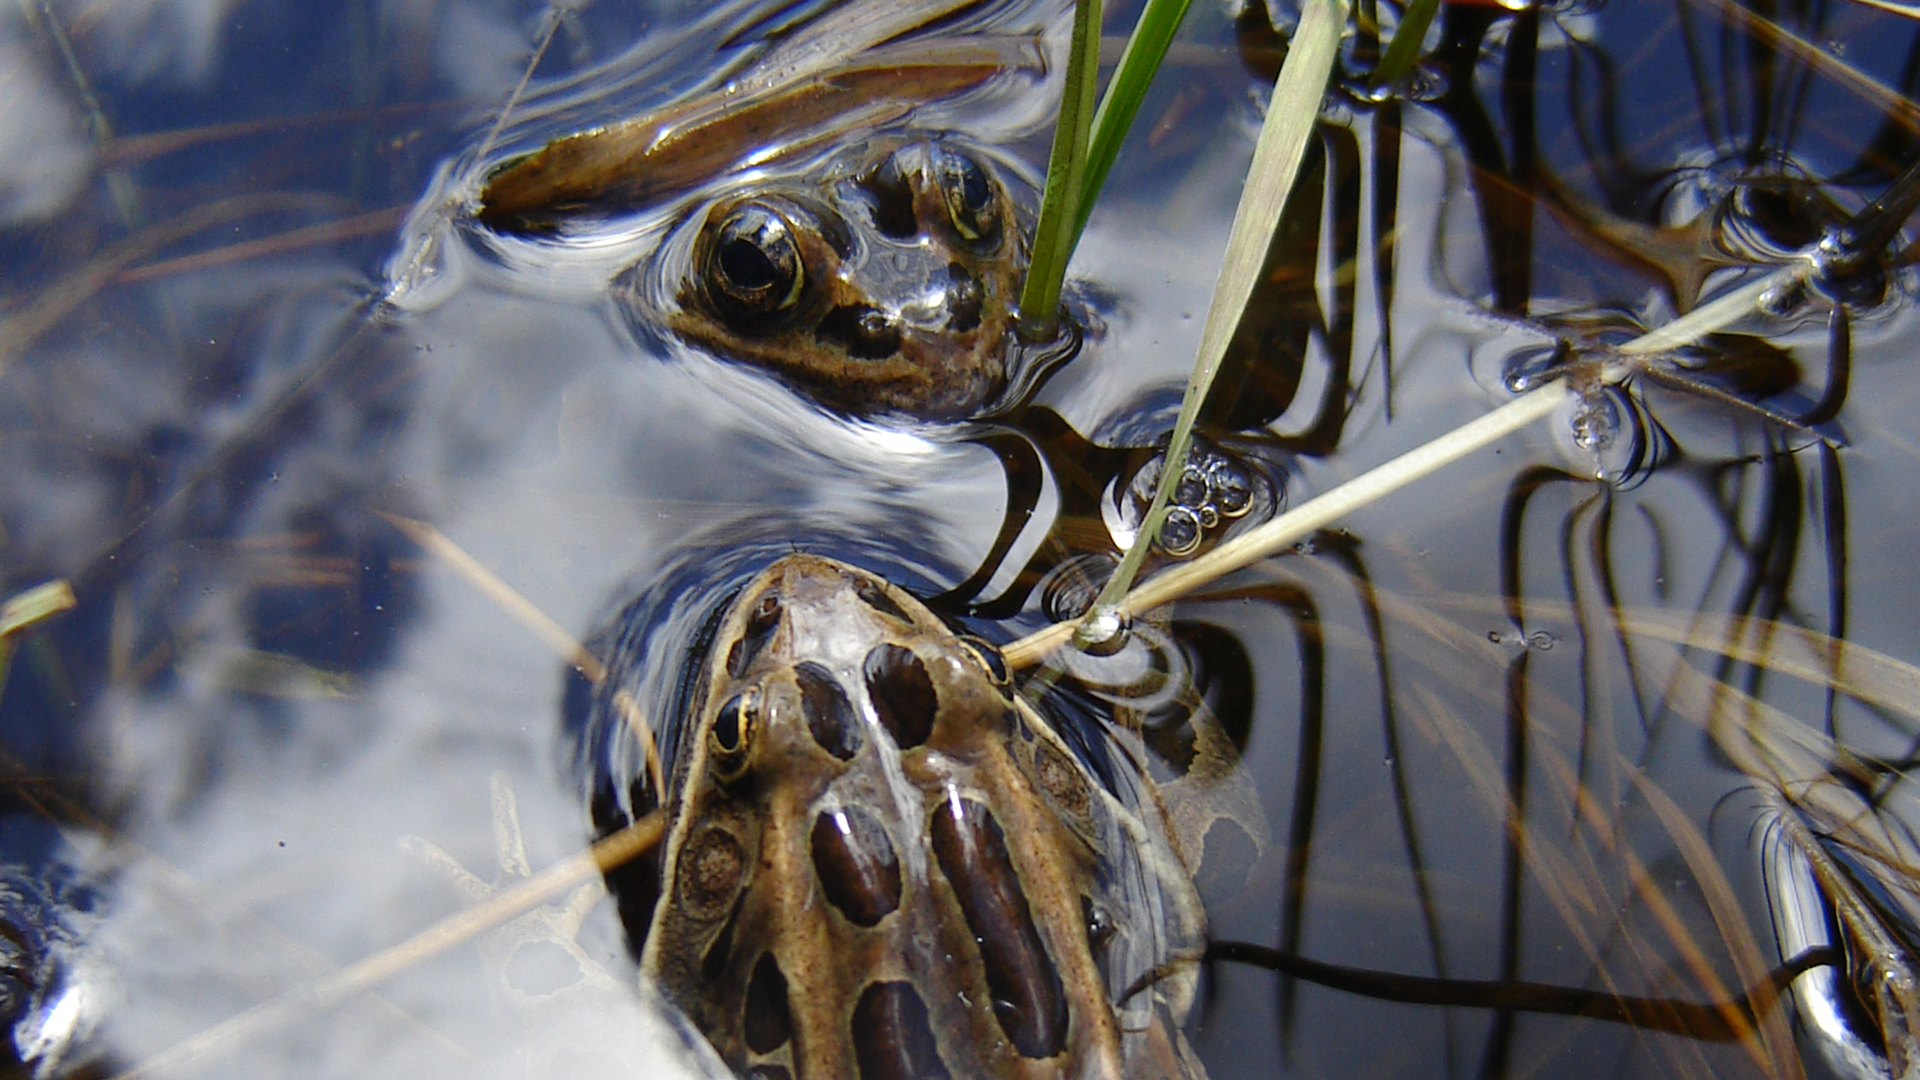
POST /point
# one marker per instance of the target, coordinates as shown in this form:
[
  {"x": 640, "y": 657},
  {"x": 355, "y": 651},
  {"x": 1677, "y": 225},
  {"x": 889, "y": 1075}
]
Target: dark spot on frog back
[
  {"x": 904, "y": 699},
  {"x": 830, "y": 716},
  {"x": 893, "y": 212},
  {"x": 856, "y": 864},
  {"x": 710, "y": 873},
  {"x": 1028, "y": 997},
  {"x": 767, "y": 1019},
  {"x": 893, "y": 1037},
  {"x": 965, "y": 299}
]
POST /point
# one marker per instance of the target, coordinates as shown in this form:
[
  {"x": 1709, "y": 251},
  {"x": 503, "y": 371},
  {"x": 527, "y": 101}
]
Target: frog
[
  {"x": 885, "y": 281},
  {"x": 881, "y": 859}
]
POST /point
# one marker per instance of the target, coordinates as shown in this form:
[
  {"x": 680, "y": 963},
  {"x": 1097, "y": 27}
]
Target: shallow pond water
[{"x": 257, "y": 357}]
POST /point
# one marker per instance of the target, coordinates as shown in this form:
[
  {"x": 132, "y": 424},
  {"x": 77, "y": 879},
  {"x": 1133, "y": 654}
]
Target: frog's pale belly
[
  {"x": 885, "y": 284},
  {"x": 878, "y": 866}
]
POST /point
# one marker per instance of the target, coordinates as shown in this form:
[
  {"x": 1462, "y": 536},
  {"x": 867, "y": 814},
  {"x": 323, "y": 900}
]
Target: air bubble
[
  {"x": 1180, "y": 532},
  {"x": 1595, "y": 425},
  {"x": 1232, "y": 491},
  {"x": 1191, "y": 491}
]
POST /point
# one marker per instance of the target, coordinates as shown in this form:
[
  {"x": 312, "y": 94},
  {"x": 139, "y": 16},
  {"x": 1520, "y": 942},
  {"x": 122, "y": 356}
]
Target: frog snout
[{"x": 965, "y": 297}]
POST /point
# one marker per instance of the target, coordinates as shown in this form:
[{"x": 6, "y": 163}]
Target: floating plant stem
[
  {"x": 1300, "y": 522},
  {"x": 1120, "y": 102},
  {"x": 1053, "y": 236},
  {"x": 1310, "y": 516},
  {"x": 1716, "y": 314},
  {"x": 1405, "y": 44},
  {"x": 1282, "y": 145},
  {"x": 550, "y": 27}
]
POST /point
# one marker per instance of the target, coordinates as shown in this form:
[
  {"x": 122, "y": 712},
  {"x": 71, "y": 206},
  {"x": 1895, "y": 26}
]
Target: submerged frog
[
  {"x": 883, "y": 283},
  {"x": 879, "y": 864},
  {"x": 882, "y": 280}
]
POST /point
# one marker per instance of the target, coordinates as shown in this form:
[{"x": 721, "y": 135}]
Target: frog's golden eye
[
  {"x": 730, "y": 739},
  {"x": 989, "y": 659},
  {"x": 972, "y": 198},
  {"x": 754, "y": 272}
]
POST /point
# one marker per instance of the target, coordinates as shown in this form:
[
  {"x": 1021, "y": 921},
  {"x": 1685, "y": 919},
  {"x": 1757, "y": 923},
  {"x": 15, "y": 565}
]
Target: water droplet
[
  {"x": 1530, "y": 366},
  {"x": 1102, "y": 634}
]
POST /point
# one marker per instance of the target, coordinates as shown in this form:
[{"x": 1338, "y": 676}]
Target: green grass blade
[
  {"x": 1277, "y": 155},
  {"x": 1126, "y": 89},
  {"x": 1053, "y": 237},
  {"x": 1405, "y": 46}
]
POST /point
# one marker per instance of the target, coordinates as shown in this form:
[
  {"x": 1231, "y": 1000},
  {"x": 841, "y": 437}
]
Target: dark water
[{"x": 250, "y": 329}]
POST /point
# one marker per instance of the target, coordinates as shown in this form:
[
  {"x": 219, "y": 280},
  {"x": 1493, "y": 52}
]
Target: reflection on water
[{"x": 1491, "y": 725}]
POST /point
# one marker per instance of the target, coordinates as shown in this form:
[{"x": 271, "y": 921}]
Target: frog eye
[
  {"x": 972, "y": 201},
  {"x": 754, "y": 271},
  {"x": 730, "y": 739},
  {"x": 989, "y": 659}
]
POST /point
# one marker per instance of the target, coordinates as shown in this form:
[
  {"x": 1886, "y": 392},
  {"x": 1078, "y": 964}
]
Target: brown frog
[
  {"x": 884, "y": 283},
  {"x": 880, "y": 864}
]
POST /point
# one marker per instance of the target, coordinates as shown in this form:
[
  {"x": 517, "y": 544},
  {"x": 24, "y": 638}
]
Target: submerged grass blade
[
  {"x": 34, "y": 605},
  {"x": 1405, "y": 46},
  {"x": 1054, "y": 235},
  {"x": 1765, "y": 31},
  {"x": 523, "y": 611},
  {"x": 1765, "y": 1036},
  {"x": 1126, "y": 89},
  {"x": 331, "y": 991},
  {"x": 1277, "y": 155},
  {"x": 120, "y": 185},
  {"x": 23, "y": 610},
  {"x": 1882, "y": 681}
]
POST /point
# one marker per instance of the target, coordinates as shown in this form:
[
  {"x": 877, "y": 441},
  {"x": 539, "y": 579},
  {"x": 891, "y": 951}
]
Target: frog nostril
[
  {"x": 965, "y": 298},
  {"x": 867, "y": 332},
  {"x": 892, "y": 194}
]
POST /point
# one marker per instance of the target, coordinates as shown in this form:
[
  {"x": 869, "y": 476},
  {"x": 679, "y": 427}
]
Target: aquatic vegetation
[{"x": 1546, "y": 740}]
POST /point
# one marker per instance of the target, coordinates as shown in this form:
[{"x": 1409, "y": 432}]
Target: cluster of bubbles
[{"x": 1214, "y": 487}]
